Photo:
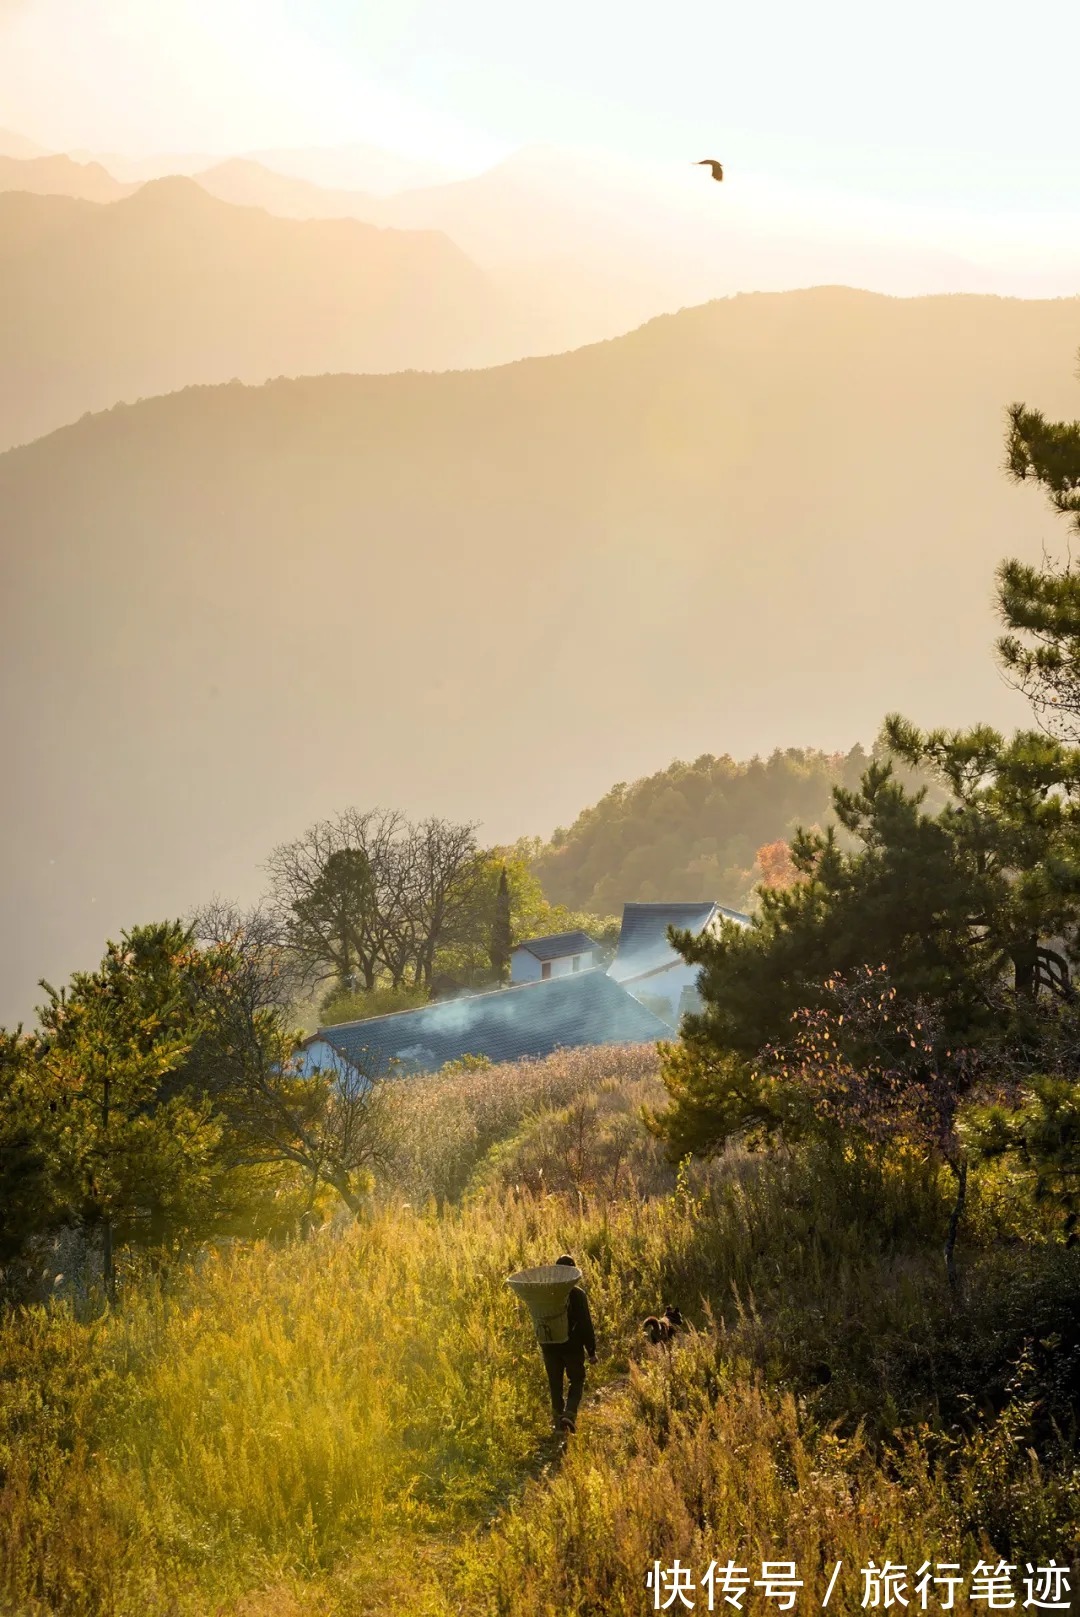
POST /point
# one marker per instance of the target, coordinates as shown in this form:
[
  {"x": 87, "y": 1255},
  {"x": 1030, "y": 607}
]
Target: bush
[
  {"x": 594, "y": 1148},
  {"x": 341, "y": 1007}
]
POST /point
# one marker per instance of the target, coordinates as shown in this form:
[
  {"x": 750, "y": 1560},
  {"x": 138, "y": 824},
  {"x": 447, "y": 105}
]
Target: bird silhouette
[{"x": 717, "y": 168}]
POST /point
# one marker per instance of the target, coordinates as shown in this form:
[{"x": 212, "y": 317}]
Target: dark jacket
[{"x": 580, "y": 1321}]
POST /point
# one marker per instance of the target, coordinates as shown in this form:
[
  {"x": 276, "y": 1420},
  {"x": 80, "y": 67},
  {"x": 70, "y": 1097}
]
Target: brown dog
[{"x": 663, "y": 1327}]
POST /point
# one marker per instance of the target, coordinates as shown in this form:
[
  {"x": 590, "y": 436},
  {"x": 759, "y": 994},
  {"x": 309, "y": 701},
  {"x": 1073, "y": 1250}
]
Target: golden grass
[{"x": 357, "y": 1423}]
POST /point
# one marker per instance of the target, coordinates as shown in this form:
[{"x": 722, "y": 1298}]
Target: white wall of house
[
  {"x": 318, "y": 1056},
  {"x": 525, "y": 968},
  {"x": 667, "y": 985}
]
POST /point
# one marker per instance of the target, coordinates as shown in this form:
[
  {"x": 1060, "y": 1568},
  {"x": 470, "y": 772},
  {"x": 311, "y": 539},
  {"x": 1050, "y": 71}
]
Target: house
[
  {"x": 540, "y": 958},
  {"x": 647, "y": 966},
  {"x": 509, "y": 1024}
]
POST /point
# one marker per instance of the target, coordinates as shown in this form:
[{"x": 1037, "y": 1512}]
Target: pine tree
[
  {"x": 135, "y": 1147},
  {"x": 501, "y": 934},
  {"x": 1041, "y": 605},
  {"x": 31, "y": 1202},
  {"x": 957, "y": 905}
]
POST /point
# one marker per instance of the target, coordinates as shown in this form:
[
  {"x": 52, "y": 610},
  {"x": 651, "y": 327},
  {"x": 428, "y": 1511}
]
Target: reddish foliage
[
  {"x": 868, "y": 1059},
  {"x": 773, "y": 865}
]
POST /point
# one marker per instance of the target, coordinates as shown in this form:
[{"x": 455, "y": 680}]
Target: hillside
[
  {"x": 764, "y": 522},
  {"x": 358, "y": 1422},
  {"x": 171, "y": 286},
  {"x": 690, "y": 831}
]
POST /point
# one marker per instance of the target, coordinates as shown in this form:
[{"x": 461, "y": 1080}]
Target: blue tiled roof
[
  {"x": 558, "y": 945},
  {"x": 509, "y": 1024},
  {"x": 643, "y": 940}
]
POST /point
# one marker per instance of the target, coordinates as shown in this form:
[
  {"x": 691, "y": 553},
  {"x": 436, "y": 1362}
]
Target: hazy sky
[{"x": 968, "y": 103}]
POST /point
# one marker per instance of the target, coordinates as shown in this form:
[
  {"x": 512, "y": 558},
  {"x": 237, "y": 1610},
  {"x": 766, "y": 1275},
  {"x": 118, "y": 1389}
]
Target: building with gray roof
[
  {"x": 553, "y": 956},
  {"x": 646, "y": 963},
  {"x": 509, "y": 1024}
]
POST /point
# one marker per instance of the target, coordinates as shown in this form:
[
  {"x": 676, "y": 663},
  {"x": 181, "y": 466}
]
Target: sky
[{"x": 954, "y": 104}]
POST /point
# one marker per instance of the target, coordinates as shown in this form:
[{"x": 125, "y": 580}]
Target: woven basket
[{"x": 544, "y": 1293}]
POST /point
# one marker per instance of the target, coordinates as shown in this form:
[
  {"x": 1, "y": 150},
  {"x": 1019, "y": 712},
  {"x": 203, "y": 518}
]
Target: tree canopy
[
  {"x": 1040, "y": 606},
  {"x": 692, "y": 830}
]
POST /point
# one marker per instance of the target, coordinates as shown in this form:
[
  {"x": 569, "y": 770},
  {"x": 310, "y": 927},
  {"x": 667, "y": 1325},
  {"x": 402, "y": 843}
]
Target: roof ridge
[
  {"x": 438, "y": 1004},
  {"x": 673, "y": 904}
]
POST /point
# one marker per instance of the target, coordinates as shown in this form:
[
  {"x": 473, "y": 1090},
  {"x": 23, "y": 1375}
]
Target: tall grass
[
  {"x": 446, "y": 1124},
  {"x": 357, "y": 1423}
]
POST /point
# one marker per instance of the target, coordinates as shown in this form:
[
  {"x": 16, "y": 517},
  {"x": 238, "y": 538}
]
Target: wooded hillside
[{"x": 691, "y": 831}]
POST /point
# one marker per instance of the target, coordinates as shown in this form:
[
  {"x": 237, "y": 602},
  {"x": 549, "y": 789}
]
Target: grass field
[{"x": 357, "y": 1422}]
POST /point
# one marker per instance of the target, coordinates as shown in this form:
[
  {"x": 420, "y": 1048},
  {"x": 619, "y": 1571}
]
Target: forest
[{"x": 691, "y": 831}]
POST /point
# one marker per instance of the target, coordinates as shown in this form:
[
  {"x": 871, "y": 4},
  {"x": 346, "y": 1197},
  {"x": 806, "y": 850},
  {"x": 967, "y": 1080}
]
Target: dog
[{"x": 663, "y": 1327}]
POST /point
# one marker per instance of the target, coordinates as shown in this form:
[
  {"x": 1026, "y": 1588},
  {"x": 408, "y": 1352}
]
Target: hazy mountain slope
[
  {"x": 352, "y": 168},
  {"x": 60, "y": 176},
  {"x": 355, "y": 167},
  {"x": 591, "y": 245},
  {"x": 29, "y": 223},
  {"x": 247, "y": 183},
  {"x": 171, "y": 287},
  {"x": 490, "y": 594},
  {"x": 13, "y": 144},
  {"x": 155, "y": 166}
]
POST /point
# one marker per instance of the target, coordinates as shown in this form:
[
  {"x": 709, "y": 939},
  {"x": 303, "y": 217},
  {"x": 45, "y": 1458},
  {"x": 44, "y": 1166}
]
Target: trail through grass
[{"x": 357, "y": 1422}]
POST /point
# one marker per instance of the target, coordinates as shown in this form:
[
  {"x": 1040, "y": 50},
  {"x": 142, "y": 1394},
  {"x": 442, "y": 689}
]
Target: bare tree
[
  {"x": 272, "y": 976},
  {"x": 354, "y": 1130},
  {"x": 333, "y": 892},
  {"x": 367, "y": 894},
  {"x": 445, "y": 869},
  {"x": 333, "y": 1124}
]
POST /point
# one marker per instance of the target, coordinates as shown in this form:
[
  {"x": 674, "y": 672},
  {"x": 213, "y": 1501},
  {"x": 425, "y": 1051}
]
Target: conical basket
[{"x": 544, "y": 1293}]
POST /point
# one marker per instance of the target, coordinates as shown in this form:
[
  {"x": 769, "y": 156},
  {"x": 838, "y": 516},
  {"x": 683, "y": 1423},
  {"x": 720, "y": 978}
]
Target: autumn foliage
[{"x": 773, "y": 865}]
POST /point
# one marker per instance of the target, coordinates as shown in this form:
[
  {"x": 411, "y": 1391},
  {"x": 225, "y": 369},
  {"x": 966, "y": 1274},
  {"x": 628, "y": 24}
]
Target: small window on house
[
  {"x": 576, "y": 964},
  {"x": 545, "y": 970}
]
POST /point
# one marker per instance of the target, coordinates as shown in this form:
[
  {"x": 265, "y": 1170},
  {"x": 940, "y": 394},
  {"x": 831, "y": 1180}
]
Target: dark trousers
[{"x": 562, "y": 1359}]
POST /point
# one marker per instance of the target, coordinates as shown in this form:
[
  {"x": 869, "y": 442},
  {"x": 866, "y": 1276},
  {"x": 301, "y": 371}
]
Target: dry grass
[
  {"x": 447, "y": 1123},
  {"x": 357, "y": 1423}
]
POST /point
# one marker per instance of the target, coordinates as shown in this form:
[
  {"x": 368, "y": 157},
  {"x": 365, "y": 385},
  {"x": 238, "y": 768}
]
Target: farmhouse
[
  {"x": 645, "y": 962},
  {"x": 558, "y": 999},
  {"x": 509, "y": 1024},
  {"x": 540, "y": 958}
]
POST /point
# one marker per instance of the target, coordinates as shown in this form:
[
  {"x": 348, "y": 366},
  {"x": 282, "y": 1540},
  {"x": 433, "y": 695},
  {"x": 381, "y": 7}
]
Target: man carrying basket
[{"x": 564, "y": 1329}]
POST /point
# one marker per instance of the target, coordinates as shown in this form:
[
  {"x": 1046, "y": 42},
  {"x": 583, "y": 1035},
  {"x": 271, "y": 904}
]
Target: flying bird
[{"x": 717, "y": 168}]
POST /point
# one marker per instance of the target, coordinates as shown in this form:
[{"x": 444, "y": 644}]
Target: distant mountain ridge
[
  {"x": 248, "y": 183},
  {"x": 13, "y": 144},
  {"x": 490, "y": 593},
  {"x": 583, "y": 246},
  {"x": 61, "y": 176},
  {"x": 170, "y": 286}
]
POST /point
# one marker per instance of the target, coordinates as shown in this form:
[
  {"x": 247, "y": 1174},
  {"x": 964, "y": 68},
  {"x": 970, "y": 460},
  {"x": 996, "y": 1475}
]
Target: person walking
[{"x": 565, "y": 1361}]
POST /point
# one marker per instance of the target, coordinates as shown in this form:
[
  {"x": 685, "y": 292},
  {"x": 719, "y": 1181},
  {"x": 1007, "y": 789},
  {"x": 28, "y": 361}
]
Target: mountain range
[
  {"x": 489, "y": 593},
  {"x": 161, "y": 288},
  {"x": 60, "y": 175},
  {"x": 169, "y": 286}
]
